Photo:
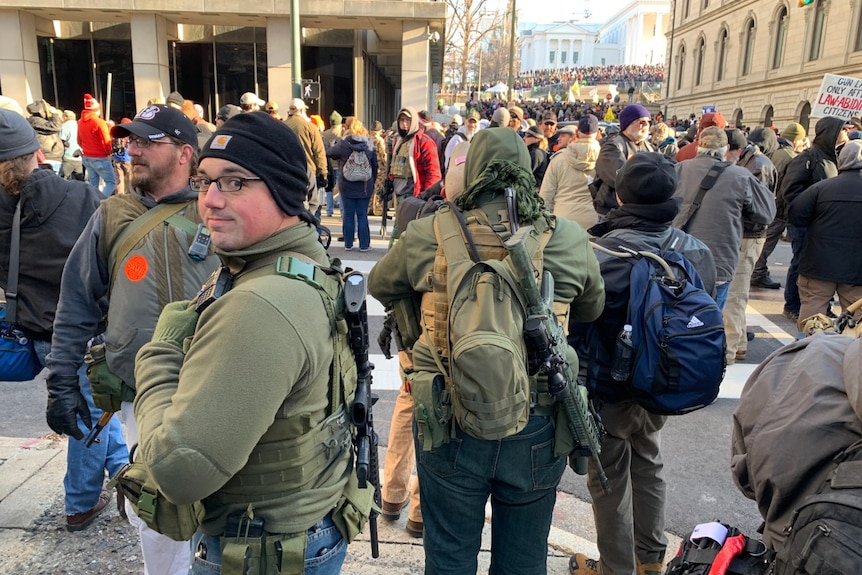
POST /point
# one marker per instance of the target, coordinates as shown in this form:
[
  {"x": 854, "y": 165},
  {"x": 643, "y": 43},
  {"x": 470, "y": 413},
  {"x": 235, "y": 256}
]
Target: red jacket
[{"x": 93, "y": 135}]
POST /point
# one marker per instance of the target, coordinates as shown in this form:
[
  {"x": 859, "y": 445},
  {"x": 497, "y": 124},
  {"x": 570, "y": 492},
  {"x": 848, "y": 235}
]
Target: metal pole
[
  {"x": 296, "y": 46},
  {"x": 54, "y": 73},
  {"x": 511, "y": 50},
  {"x": 254, "y": 57},
  {"x": 108, "y": 97},
  {"x": 669, "y": 58},
  {"x": 215, "y": 73},
  {"x": 93, "y": 63}
]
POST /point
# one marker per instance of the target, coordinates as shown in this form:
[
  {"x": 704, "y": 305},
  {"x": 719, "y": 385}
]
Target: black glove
[
  {"x": 321, "y": 181},
  {"x": 65, "y": 403}
]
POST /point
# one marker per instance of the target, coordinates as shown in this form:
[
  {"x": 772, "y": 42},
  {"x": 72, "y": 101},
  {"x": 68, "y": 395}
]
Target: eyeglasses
[
  {"x": 145, "y": 142},
  {"x": 550, "y": 123},
  {"x": 224, "y": 183}
]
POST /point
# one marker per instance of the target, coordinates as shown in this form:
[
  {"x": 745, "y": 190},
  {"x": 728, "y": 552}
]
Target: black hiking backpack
[{"x": 825, "y": 534}]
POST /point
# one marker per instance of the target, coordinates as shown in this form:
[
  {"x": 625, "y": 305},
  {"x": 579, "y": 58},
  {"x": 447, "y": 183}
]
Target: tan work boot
[
  {"x": 580, "y": 564},
  {"x": 650, "y": 568}
]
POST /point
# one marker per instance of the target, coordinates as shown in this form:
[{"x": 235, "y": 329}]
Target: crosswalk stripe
[{"x": 386, "y": 371}]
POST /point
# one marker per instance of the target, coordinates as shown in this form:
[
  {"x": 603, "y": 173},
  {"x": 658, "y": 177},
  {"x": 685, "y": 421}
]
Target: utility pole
[
  {"x": 511, "y": 48},
  {"x": 295, "y": 49}
]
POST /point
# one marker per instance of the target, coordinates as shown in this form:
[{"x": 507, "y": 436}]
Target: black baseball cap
[
  {"x": 588, "y": 124},
  {"x": 157, "y": 121}
]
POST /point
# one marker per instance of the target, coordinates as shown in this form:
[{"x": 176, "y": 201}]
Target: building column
[
  {"x": 415, "y": 72},
  {"x": 279, "y": 58},
  {"x": 19, "y": 57},
  {"x": 359, "y": 72},
  {"x": 638, "y": 59},
  {"x": 150, "y": 57}
]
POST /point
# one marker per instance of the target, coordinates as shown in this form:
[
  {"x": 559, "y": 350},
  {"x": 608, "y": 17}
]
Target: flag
[{"x": 609, "y": 116}]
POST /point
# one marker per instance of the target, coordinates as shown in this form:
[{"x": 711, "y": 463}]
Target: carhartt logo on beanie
[
  {"x": 90, "y": 103},
  {"x": 269, "y": 149},
  {"x": 17, "y": 137}
]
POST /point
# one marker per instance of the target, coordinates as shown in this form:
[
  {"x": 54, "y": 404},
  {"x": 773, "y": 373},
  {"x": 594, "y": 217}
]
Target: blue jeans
[
  {"x": 324, "y": 552},
  {"x": 791, "y": 291},
  {"x": 86, "y": 466},
  {"x": 354, "y": 214},
  {"x": 519, "y": 473},
  {"x": 101, "y": 168},
  {"x": 721, "y": 292}
]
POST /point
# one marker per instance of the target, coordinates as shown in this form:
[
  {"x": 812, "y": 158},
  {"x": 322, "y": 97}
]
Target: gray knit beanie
[{"x": 17, "y": 137}]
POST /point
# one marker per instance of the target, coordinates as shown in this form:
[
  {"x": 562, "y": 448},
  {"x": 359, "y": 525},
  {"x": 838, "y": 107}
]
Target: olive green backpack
[{"x": 487, "y": 379}]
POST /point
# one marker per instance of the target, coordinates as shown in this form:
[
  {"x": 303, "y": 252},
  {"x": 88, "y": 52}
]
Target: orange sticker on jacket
[{"x": 136, "y": 268}]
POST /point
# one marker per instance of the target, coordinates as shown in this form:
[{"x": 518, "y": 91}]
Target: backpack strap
[
  {"x": 137, "y": 230},
  {"x": 705, "y": 185},
  {"x": 326, "y": 281}
]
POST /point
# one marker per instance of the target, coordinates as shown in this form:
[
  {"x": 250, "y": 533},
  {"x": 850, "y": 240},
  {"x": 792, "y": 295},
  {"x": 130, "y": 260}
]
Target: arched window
[
  {"x": 722, "y": 55},
  {"x": 817, "y": 32},
  {"x": 698, "y": 63},
  {"x": 681, "y": 73},
  {"x": 748, "y": 50},
  {"x": 780, "y": 38}
]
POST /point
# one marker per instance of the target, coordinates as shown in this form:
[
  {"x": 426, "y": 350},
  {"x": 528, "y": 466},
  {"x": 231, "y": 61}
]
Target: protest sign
[{"x": 839, "y": 96}]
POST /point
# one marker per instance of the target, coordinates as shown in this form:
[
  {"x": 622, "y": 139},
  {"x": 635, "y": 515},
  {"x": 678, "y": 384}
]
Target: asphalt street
[{"x": 696, "y": 447}]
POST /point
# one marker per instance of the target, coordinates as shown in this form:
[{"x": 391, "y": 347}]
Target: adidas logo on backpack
[{"x": 694, "y": 322}]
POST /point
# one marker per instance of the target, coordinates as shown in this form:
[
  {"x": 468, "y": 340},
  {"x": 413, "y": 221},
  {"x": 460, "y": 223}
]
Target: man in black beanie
[
  {"x": 630, "y": 518},
  {"x": 238, "y": 377}
]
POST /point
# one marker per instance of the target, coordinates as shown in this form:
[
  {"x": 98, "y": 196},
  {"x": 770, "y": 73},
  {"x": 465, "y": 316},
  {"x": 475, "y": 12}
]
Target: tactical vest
[
  {"x": 301, "y": 451},
  {"x": 296, "y": 450},
  {"x": 399, "y": 167},
  {"x": 157, "y": 271}
]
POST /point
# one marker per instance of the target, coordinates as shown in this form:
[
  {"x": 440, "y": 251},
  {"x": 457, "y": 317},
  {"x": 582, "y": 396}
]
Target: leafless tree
[{"x": 468, "y": 22}]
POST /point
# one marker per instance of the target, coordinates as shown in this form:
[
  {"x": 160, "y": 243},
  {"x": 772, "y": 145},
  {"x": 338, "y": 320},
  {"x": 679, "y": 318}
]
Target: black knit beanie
[
  {"x": 646, "y": 178},
  {"x": 270, "y": 150}
]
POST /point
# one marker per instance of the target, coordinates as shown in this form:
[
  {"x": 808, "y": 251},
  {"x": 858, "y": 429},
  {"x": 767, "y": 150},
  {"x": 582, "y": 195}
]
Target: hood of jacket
[
  {"x": 414, "y": 120},
  {"x": 826, "y": 135},
  {"x": 765, "y": 139},
  {"x": 850, "y": 157},
  {"x": 582, "y": 154},
  {"x": 358, "y": 143},
  {"x": 495, "y": 144},
  {"x": 37, "y": 108}
]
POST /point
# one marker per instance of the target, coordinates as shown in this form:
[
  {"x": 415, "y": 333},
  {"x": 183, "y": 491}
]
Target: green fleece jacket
[{"x": 260, "y": 354}]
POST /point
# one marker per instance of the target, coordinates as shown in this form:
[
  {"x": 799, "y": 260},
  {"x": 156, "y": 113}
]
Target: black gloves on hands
[
  {"x": 65, "y": 403},
  {"x": 321, "y": 181}
]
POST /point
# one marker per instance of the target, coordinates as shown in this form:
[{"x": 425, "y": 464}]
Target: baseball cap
[
  {"x": 712, "y": 137},
  {"x": 713, "y": 119},
  {"x": 425, "y": 118},
  {"x": 473, "y": 115},
  {"x": 250, "y": 98},
  {"x": 158, "y": 121},
  {"x": 535, "y": 132},
  {"x": 588, "y": 124},
  {"x": 549, "y": 117},
  {"x": 517, "y": 112},
  {"x": 228, "y": 111},
  {"x": 735, "y": 138},
  {"x": 297, "y": 104},
  {"x": 271, "y": 106},
  {"x": 456, "y": 120}
]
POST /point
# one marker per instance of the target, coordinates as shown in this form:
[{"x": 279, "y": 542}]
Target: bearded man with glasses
[
  {"x": 131, "y": 260},
  {"x": 634, "y": 131}
]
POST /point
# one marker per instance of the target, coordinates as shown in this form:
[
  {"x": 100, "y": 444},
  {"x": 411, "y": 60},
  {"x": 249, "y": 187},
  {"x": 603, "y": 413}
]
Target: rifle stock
[
  {"x": 546, "y": 349},
  {"x": 365, "y": 439}
]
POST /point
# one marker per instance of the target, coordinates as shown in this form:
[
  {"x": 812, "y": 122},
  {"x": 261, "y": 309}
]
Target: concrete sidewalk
[{"x": 31, "y": 482}]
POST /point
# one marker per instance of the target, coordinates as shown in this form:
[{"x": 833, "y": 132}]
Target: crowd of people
[
  {"x": 623, "y": 75},
  {"x": 272, "y": 459}
]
